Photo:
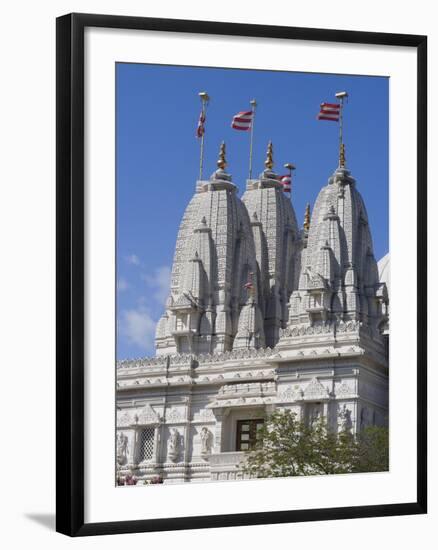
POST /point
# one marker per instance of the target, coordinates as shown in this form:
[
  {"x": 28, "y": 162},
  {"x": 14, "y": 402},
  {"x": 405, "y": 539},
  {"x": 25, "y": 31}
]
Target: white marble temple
[{"x": 261, "y": 315}]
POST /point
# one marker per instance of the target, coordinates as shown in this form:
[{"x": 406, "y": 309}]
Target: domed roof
[
  {"x": 276, "y": 239},
  {"x": 213, "y": 255},
  {"x": 340, "y": 221},
  {"x": 340, "y": 251}
]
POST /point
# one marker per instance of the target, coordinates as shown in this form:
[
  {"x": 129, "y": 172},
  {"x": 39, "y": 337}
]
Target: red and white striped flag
[
  {"x": 329, "y": 111},
  {"x": 242, "y": 121},
  {"x": 286, "y": 180},
  {"x": 249, "y": 285},
  {"x": 200, "y": 130}
]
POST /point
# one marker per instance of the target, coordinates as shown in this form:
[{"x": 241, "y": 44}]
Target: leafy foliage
[
  {"x": 372, "y": 450},
  {"x": 287, "y": 446}
]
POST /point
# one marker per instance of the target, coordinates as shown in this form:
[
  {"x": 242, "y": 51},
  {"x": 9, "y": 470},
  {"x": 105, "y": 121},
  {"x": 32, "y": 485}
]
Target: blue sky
[{"x": 157, "y": 110}]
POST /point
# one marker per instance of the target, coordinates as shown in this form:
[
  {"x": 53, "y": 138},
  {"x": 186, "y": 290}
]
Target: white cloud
[
  {"x": 122, "y": 284},
  {"x": 160, "y": 282},
  {"x": 138, "y": 327},
  {"x": 133, "y": 259}
]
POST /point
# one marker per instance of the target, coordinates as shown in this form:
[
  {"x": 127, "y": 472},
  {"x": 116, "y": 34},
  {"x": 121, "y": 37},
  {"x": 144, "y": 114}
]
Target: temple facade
[{"x": 261, "y": 315}]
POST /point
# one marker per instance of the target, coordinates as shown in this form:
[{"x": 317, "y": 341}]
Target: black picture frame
[{"x": 70, "y": 272}]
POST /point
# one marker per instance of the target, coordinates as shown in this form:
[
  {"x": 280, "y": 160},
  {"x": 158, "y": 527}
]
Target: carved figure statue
[
  {"x": 122, "y": 448},
  {"x": 315, "y": 416},
  {"x": 173, "y": 444},
  {"x": 205, "y": 440},
  {"x": 345, "y": 417}
]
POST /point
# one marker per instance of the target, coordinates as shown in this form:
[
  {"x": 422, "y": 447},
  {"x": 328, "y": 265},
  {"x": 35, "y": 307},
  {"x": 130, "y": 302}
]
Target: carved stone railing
[
  {"x": 320, "y": 328},
  {"x": 249, "y": 353},
  {"x": 142, "y": 362},
  {"x": 227, "y": 466},
  {"x": 188, "y": 358}
]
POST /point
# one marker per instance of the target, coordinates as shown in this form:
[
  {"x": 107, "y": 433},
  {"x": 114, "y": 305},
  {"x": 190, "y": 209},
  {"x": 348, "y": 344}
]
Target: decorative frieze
[
  {"x": 174, "y": 416},
  {"x": 316, "y": 391},
  {"x": 147, "y": 415},
  {"x": 290, "y": 394},
  {"x": 320, "y": 328},
  {"x": 203, "y": 358}
]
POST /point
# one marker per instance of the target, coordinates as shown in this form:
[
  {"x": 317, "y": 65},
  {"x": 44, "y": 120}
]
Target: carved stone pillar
[{"x": 220, "y": 415}]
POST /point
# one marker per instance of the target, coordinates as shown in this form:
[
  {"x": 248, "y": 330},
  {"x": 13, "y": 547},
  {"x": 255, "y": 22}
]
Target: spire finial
[
  {"x": 269, "y": 162},
  {"x": 342, "y": 155},
  {"x": 222, "y": 163},
  {"x": 306, "y": 224}
]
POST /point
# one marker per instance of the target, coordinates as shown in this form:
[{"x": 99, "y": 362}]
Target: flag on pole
[
  {"x": 242, "y": 121},
  {"x": 200, "y": 130},
  {"x": 286, "y": 180},
  {"x": 249, "y": 285},
  {"x": 329, "y": 111}
]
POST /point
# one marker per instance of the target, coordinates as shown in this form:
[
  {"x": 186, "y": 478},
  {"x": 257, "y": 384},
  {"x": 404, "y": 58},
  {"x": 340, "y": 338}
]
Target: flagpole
[
  {"x": 341, "y": 96},
  {"x": 253, "y": 108},
  {"x": 341, "y": 112},
  {"x": 204, "y": 100}
]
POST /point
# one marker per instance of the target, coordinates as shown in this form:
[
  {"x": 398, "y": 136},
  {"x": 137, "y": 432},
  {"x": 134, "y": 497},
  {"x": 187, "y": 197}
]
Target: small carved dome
[{"x": 384, "y": 271}]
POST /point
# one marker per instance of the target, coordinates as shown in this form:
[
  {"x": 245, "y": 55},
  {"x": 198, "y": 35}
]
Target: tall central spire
[{"x": 276, "y": 239}]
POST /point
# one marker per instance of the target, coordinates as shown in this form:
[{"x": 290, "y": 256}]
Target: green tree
[
  {"x": 372, "y": 450},
  {"x": 287, "y": 446}
]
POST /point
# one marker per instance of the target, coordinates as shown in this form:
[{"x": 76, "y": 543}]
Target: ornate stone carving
[
  {"x": 173, "y": 445},
  {"x": 147, "y": 415},
  {"x": 174, "y": 415},
  {"x": 319, "y": 328},
  {"x": 290, "y": 394},
  {"x": 206, "y": 440},
  {"x": 259, "y": 388},
  {"x": 205, "y": 415},
  {"x": 343, "y": 390},
  {"x": 345, "y": 419},
  {"x": 139, "y": 363},
  {"x": 315, "y": 390},
  {"x": 188, "y": 358},
  {"x": 122, "y": 449},
  {"x": 124, "y": 420}
]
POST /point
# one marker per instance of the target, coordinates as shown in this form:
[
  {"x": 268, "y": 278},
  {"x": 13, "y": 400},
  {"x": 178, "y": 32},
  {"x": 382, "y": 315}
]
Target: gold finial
[
  {"x": 306, "y": 224},
  {"x": 222, "y": 163},
  {"x": 342, "y": 156},
  {"x": 269, "y": 162}
]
